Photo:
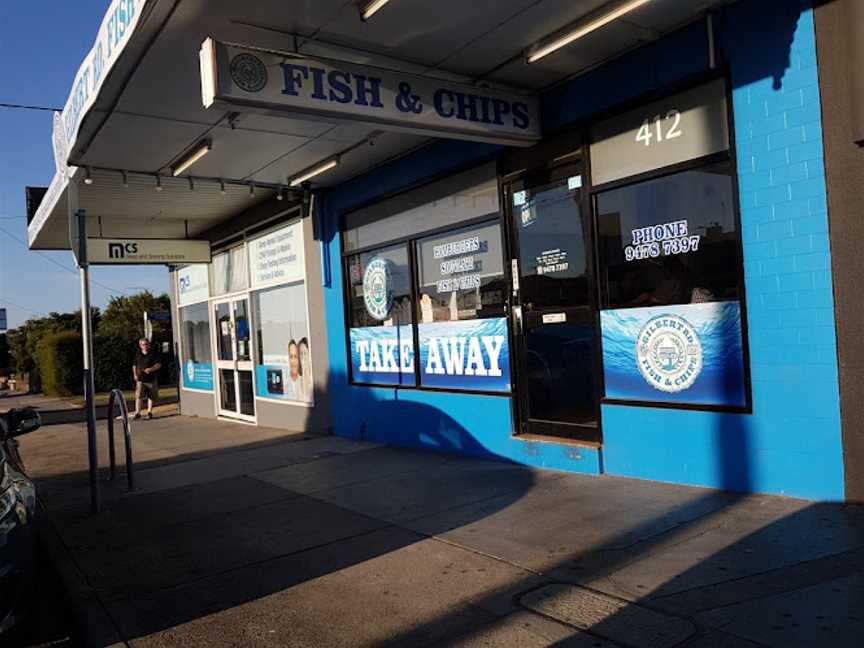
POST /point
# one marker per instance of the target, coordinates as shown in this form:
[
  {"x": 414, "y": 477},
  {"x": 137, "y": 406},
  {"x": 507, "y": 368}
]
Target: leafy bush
[
  {"x": 60, "y": 360},
  {"x": 113, "y": 356}
]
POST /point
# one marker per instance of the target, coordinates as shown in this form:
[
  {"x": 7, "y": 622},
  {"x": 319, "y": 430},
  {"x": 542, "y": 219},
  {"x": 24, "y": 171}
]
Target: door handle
[{"x": 517, "y": 319}]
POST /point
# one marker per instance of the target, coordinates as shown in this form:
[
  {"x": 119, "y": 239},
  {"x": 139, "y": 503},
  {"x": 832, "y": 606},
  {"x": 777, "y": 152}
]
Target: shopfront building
[
  {"x": 647, "y": 292},
  {"x": 592, "y": 237},
  {"x": 246, "y": 347}
]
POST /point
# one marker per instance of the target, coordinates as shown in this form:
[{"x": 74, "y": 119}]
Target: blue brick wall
[{"x": 791, "y": 443}]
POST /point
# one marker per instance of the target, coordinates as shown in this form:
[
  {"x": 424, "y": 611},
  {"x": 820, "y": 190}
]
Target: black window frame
[
  {"x": 411, "y": 242},
  {"x": 729, "y": 156}
]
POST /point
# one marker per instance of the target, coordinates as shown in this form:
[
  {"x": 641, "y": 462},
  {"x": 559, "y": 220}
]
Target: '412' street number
[{"x": 654, "y": 127}]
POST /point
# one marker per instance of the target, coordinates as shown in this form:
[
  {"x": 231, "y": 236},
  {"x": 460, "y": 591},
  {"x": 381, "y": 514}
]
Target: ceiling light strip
[
  {"x": 584, "y": 29},
  {"x": 370, "y": 8},
  {"x": 314, "y": 171},
  {"x": 196, "y": 154}
]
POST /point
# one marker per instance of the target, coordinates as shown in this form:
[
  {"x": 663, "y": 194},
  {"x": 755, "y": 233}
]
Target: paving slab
[
  {"x": 828, "y": 614},
  {"x": 243, "y": 461},
  {"x": 755, "y": 535},
  {"x": 451, "y": 485},
  {"x": 390, "y": 587},
  {"x": 571, "y": 524},
  {"x": 203, "y": 547},
  {"x": 615, "y": 619},
  {"x": 526, "y": 630},
  {"x": 131, "y": 519},
  {"x": 345, "y": 469}
]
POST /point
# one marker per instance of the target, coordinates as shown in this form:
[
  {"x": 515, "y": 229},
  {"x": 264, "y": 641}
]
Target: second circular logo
[{"x": 669, "y": 353}]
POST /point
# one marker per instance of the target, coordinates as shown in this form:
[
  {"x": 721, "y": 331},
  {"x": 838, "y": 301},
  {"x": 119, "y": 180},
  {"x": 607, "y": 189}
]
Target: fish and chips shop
[{"x": 611, "y": 237}]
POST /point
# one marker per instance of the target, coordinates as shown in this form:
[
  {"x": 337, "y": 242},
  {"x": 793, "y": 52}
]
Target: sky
[{"x": 42, "y": 44}]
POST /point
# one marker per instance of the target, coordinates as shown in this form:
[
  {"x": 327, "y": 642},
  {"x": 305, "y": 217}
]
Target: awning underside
[{"x": 149, "y": 112}]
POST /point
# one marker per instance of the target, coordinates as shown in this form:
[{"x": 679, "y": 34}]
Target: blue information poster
[
  {"x": 687, "y": 354},
  {"x": 471, "y": 354},
  {"x": 198, "y": 375}
]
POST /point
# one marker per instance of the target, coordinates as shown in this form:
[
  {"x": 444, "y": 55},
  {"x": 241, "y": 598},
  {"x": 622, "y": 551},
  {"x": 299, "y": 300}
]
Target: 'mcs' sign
[{"x": 110, "y": 251}]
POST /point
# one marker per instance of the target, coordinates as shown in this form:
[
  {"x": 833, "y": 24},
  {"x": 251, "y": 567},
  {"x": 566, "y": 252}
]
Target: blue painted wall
[{"x": 791, "y": 443}]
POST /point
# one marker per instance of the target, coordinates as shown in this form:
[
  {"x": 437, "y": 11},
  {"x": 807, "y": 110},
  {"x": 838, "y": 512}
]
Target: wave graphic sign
[{"x": 687, "y": 354}]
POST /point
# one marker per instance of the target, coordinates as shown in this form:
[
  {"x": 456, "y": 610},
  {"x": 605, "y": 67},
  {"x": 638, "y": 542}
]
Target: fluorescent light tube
[
  {"x": 197, "y": 153},
  {"x": 314, "y": 171},
  {"x": 371, "y": 8},
  {"x": 582, "y": 30}
]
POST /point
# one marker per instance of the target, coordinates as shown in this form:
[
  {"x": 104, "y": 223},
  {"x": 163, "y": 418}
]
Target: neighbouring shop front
[
  {"x": 614, "y": 299},
  {"x": 246, "y": 346}
]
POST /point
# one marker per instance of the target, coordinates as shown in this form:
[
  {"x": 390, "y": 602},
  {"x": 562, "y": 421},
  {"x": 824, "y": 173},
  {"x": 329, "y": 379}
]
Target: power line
[
  {"x": 5, "y": 301},
  {"x": 60, "y": 265},
  {"x": 29, "y": 107}
]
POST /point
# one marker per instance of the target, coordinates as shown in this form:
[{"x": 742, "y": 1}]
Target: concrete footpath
[{"x": 242, "y": 536}]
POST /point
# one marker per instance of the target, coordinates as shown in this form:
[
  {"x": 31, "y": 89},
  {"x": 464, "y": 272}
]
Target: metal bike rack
[{"x": 117, "y": 397}]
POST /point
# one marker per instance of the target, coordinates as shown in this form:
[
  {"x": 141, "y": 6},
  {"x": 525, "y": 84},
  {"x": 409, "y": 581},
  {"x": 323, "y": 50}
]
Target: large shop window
[
  {"x": 284, "y": 362},
  {"x": 229, "y": 271},
  {"x": 463, "y": 328},
  {"x": 670, "y": 273},
  {"x": 441, "y": 294},
  {"x": 283, "y": 357},
  {"x": 382, "y": 335},
  {"x": 195, "y": 347}
]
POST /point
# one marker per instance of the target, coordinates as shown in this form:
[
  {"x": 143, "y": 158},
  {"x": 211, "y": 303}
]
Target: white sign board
[
  {"x": 279, "y": 82},
  {"x": 117, "y": 28},
  {"x": 685, "y": 126},
  {"x": 193, "y": 284},
  {"x": 111, "y": 251},
  {"x": 277, "y": 257}
]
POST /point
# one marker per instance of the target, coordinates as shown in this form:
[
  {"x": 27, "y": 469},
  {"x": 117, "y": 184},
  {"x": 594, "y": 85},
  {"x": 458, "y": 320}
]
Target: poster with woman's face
[{"x": 284, "y": 365}]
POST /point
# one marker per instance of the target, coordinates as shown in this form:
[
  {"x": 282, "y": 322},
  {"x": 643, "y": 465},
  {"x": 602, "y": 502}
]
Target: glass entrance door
[
  {"x": 234, "y": 358},
  {"x": 554, "y": 305}
]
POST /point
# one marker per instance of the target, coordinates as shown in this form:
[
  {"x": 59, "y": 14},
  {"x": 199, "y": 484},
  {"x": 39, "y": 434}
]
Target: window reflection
[
  {"x": 672, "y": 240},
  {"x": 400, "y": 284},
  {"x": 461, "y": 275}
]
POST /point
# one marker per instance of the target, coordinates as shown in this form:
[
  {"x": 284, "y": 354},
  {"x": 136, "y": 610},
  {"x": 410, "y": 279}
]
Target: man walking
[{"x": 145, "y": 369}]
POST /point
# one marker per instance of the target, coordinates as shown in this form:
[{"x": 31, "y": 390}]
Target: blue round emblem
[
  {"x": 378, "y": 289},
  {"x": 669, "y": 353}
]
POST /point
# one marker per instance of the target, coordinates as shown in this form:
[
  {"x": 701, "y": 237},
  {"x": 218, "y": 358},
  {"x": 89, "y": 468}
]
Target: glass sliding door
[{"x": 234, "y": 358}]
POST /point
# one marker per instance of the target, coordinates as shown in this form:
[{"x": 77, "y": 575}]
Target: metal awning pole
[{"x": 79, "y": 226}]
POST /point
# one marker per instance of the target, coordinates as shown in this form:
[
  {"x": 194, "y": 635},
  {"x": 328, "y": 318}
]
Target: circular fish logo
[
  {"x": 378, "y": 289},
  {"x": 248, "y": 72},
  {"x": 669, "y": 353}
]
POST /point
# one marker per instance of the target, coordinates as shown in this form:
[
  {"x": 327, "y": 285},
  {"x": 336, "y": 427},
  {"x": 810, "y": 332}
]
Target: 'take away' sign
[
  {"x": 281, "y": 82},
  {"x": 110, "y": 251}
]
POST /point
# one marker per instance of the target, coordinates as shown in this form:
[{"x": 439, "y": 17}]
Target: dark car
[{"x": 17, "y": 520}]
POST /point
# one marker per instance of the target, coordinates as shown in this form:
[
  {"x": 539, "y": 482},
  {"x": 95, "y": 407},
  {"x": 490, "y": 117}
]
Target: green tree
[
  {"x": 124, "y": 316},
  {"x": 121, "y": 326},
  {"x": 24, "y": 340}
]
